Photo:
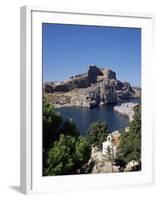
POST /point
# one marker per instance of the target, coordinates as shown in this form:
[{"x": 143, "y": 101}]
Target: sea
[{"x": 83, "y": 116}]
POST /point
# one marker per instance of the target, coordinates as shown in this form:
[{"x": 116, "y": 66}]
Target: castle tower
[
  {"x": 93, "y": 72},
  {"x": 108, "y": 73}
]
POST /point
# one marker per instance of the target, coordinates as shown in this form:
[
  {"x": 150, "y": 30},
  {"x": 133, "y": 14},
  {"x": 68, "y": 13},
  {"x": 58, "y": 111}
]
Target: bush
[
  {"x": 67, "y": 155},
  {"x": 97, "y": 133},
  {"x": 52, "y": 122},
  {"x": 70, "y": 128},
  {"x": 64, "y": 153},
  {"x": 130, "y": 145}
]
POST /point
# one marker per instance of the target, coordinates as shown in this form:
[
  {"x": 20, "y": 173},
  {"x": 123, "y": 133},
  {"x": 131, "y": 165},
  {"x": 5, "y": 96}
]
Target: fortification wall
[{"x": 85, "y": 80}]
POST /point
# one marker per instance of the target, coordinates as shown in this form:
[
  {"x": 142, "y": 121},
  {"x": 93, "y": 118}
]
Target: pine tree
[
  {"x": 97, "y": 133},
  {"x": 130, "y": 143}
]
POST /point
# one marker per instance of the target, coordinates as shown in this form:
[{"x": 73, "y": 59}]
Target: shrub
[
  {"x": 68, "y": 155},
  {"x": 97, "y": 133},
  {"x": 130, "y": 145}
]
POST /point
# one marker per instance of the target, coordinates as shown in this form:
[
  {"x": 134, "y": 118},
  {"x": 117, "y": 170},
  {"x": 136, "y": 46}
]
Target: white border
[{"x": 31, "y": 104}]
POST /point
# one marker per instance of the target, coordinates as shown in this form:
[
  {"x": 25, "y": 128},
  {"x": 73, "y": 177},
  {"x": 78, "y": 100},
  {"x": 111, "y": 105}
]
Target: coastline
[{"x": 126, "y": 109}]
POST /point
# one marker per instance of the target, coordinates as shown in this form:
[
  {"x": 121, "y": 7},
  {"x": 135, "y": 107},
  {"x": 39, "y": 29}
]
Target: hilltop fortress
[
  {"x": 94, "y": 75},
  {"x": 96, "y": 86}
]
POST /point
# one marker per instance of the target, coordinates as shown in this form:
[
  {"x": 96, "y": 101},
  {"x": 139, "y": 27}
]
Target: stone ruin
[
  {"x": 98, "y": 86},
  {"x": 94, "y": 75}
]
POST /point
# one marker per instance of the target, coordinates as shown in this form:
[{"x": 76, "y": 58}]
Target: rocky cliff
[{"x": 97, "y": 86}]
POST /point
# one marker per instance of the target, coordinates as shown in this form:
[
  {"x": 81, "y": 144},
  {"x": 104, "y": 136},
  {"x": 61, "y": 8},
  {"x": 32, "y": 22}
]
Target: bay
[{"x": 83, "y": 117}]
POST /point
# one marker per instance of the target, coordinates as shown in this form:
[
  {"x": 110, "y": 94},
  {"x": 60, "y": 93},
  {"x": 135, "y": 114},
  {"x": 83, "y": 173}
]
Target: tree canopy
[
  {"x": 68, "y": 155},
  {"x": 52, "y": 121},
  {"x": 130, "y": 144},
  {"x": 70, "y": 128},
  {"x": 64, "y": 150},
  {"x": 97, "y": 133}
]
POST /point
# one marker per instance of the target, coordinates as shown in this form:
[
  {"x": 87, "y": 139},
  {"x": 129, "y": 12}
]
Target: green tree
[
  {"x": 97, "y": 133},
  {"x": 64, "y": 153},
  {"x": 68, "y": 155},
  {"x": 82, "y": 152},
  {"x": 52, "y": 122},
  {"x": 70, "y": 128},
  {"x": 130, "y": 143}
]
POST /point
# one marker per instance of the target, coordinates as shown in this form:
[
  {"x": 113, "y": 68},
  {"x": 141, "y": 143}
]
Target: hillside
[{"x": 95, "y": 87}]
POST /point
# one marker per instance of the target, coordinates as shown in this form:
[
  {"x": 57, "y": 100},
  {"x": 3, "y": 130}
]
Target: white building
[{"x": 108, "y": 147}]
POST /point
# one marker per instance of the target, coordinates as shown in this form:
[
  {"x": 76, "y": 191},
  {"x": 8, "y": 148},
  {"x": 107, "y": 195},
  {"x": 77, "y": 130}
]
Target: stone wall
[
  {"x": 94, "y": 75},
  {"x": 108, "y": 73}
]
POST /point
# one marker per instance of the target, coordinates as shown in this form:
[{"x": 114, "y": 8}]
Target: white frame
[{"x": 31, "y": 179}]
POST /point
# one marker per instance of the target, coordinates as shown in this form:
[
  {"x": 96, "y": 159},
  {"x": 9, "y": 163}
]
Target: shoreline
[
  {"x": 99, "y": 105},
  {"x": 126, "y": 109}
]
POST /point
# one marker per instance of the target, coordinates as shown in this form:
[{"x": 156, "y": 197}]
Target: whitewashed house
[{"x": 108, "y": 147}]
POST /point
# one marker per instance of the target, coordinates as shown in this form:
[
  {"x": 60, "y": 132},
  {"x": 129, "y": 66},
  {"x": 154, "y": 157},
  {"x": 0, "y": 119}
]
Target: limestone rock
[
  {"x": 132, "y": 166},
  {"x": 48, "y": 88},
  {"x": 102, "y": 165},
  {"x": 126, "y": 109},
  {"x": 98, "y": 86}
]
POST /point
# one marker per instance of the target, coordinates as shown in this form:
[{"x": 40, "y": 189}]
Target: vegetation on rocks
[
  {"x": 97, "y": 133},
  {"x": 68, "y": 155},
  {"x": 64, "y": 150},
  {"x": 130, "y": 142}
]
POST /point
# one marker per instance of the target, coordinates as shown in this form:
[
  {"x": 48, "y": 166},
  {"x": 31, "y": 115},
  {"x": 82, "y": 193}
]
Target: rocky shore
[
  {"x": 126, "y": 109},
  {"x": 98, "y": 86}
]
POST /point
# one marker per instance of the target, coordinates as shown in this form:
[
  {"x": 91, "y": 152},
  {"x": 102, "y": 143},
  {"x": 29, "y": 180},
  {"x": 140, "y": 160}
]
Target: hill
[{"x": 96, "y": 86}]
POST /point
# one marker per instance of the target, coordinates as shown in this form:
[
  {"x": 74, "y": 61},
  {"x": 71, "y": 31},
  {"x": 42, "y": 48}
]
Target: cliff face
[
  {"x": 97, "y": 86},
  {"x": 94, "y": 75}
]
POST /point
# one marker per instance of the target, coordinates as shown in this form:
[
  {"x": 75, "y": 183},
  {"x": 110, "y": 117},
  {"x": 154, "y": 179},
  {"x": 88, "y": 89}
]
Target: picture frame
[{"x": 32, "y": 180}]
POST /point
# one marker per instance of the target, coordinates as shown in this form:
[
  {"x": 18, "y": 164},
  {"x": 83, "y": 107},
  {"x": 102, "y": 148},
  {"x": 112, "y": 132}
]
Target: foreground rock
[
  {"x": 104, "y": 159},
  {"x": 96, "y": 87},
  {"x": 101, "y": 163},
  {"x": 126, "y": 109},
  {"x": 132, "y": 166}
]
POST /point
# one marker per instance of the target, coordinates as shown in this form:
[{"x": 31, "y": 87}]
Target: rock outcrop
[
  {"x": 104, "y": 159},
  {"x": 126, "y": 109},
  {"x": 132, "y": 166},
  {"x": 97, "y": 86},
  {"x": 137, "y": 91},
  {"x": 94, "y": 75},
  {"x": 101, "y": 163}
]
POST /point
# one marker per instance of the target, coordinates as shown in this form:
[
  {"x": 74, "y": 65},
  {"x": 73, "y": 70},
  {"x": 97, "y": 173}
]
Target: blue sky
[{"x": 69, "y": 49}]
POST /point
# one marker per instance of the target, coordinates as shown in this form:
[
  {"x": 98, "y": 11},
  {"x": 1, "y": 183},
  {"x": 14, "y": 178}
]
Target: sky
[{"x": 69, "y": 49}]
